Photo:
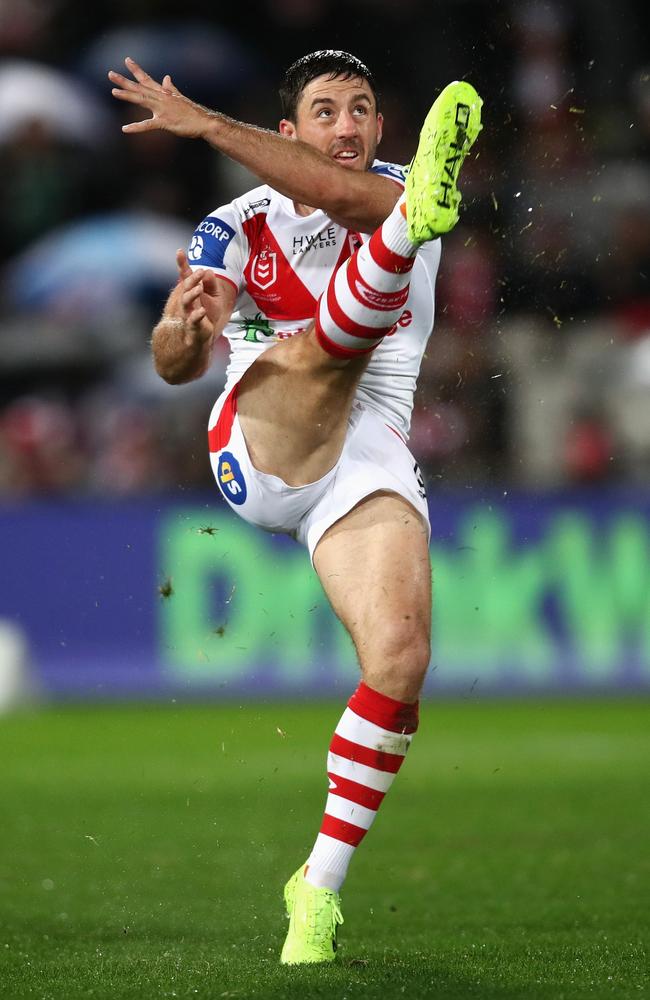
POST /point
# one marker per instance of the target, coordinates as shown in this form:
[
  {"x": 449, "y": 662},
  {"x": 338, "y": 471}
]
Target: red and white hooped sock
[
  {"x": 367, "y": 294},
  {"x": 366, "y": 752}
]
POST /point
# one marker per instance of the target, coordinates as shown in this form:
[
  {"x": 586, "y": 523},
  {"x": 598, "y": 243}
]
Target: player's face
[{"x": 338, "y": 117}]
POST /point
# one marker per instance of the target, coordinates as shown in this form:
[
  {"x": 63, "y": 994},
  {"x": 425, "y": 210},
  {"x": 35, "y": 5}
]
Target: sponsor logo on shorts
[
  {"x": 420, "y": 481},
  {"x": 230, "y": 479}
]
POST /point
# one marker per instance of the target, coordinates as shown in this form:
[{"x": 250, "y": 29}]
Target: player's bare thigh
[
  {"x": 374, "y": 567},
  {"x": 293, "y": 405}
]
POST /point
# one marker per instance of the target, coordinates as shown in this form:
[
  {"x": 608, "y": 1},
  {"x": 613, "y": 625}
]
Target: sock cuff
[
  {"x": 395, "y": 258},
  {"x": 380, "y": 709},
  {"x": 393, "y": 236},
  {"x": 338, "y": 350}
]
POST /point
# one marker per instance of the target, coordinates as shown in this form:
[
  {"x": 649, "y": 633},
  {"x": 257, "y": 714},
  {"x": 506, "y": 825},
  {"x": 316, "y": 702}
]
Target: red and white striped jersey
[{"x": 280, "y": 264}]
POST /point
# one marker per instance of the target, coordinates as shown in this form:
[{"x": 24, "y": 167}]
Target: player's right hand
[{"x": 170, "y": 109}]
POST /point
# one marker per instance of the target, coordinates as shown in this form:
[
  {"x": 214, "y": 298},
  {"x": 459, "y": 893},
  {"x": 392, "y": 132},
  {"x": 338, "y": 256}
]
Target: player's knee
[
  {"x": 401, "y": 648},
  {"x": 413, "y": 660}
]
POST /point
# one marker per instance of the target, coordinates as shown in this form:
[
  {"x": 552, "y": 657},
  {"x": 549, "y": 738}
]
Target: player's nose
[{"x": 346, "y": 125}]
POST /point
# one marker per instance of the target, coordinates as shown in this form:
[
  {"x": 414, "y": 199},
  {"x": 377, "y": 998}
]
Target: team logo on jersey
[
  {"x": 258, "y": 330},
  {"x": 230, "y": 479},
  {"x": 264, "y": 270}
]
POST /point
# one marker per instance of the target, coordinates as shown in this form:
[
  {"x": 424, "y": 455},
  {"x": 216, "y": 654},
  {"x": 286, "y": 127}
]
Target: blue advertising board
[{"x": 532, "y": 594}]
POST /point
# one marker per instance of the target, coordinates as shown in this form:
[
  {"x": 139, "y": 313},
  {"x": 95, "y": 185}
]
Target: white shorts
[{"x": 374, "y": 458}]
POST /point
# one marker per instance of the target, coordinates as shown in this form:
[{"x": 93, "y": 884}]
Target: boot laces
[{"x": 324, "y": 913}]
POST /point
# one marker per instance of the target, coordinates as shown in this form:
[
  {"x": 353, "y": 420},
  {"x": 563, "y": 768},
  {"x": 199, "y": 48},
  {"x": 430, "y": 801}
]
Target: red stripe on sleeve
[
  {"x": 340, "y": 830},
  {"x": 379, "y": 759}
]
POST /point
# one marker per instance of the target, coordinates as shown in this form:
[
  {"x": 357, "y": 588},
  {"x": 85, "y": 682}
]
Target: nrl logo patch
[{"x": 265, "y": 268}]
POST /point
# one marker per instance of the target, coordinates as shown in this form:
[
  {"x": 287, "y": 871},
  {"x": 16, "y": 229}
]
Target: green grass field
[{"x": 143, "y": 852}]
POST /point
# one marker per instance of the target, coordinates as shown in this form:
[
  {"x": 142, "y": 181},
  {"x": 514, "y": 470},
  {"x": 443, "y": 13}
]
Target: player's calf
[{"x": 366, "y": 752}]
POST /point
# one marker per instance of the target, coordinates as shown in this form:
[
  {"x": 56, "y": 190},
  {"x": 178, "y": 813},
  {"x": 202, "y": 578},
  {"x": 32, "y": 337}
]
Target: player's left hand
[
  {"x": 171, "y": 110},
  {"x": 201, "y": 300}
]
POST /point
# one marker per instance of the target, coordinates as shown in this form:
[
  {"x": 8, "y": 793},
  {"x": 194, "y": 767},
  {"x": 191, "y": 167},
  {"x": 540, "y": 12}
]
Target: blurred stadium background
[
  {"x": 143, "y": 848},
  {"x": 532, "y": 423}
]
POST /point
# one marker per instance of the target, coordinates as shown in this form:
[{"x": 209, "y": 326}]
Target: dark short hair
[{"x": 327, "y": 61}]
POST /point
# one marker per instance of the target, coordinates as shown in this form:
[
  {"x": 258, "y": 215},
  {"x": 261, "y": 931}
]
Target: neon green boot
[
  {"x": 314, "y": 915},
  {"x": 449, "y": 132}
]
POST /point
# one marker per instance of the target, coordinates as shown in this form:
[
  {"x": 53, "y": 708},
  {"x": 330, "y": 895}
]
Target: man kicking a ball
[{"x": 327, "y": 328}]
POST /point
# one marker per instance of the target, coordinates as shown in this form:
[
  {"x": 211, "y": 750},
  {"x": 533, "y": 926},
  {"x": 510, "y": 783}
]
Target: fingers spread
[
  {"x": 122, "y": 81},
  {"x": 134, "y": 96},
  {"x": 139, "y": 73}
]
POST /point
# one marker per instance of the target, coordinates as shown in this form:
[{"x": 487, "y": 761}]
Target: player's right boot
[
  {"x": 449, "y": 131},
  {"x": 314, "y": 915}
]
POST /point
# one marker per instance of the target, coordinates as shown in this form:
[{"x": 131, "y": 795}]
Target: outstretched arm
[
  {"x": 193, "y": 319},
  {"x": 355, "y": 199}
]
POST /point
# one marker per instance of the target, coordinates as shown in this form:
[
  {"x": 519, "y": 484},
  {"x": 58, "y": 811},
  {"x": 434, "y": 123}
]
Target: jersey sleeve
[
  {"x": 219, "y": 243},
  {"x": 393, "y": 171}
]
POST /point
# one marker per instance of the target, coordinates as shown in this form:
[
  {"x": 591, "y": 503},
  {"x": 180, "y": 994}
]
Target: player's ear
[
  {"x": 380, "y": 127},
  {"x": 287, "y": 128}
]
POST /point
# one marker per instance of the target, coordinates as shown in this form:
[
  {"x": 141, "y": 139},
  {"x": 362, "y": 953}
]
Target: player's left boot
[
  {"x": 449, "y": 132},
  {"x": 314, "y": 915}
]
